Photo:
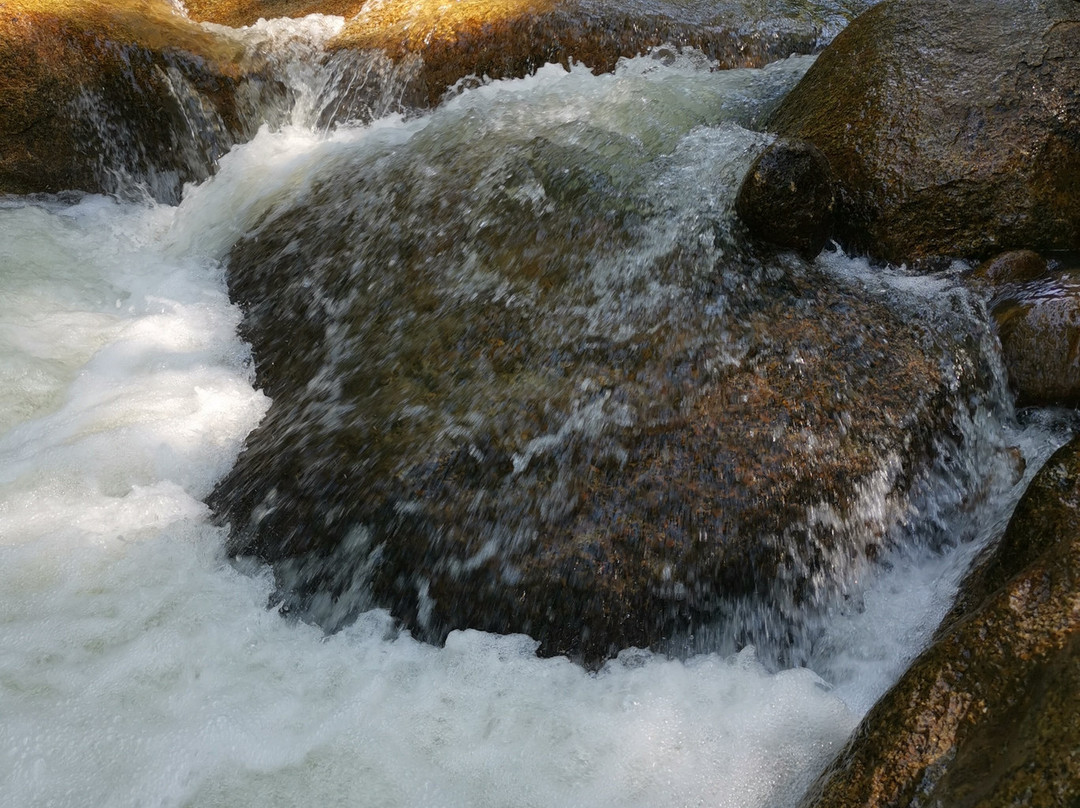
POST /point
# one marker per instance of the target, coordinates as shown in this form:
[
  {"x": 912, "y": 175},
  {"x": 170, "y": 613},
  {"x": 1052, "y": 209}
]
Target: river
[{"x": 139, "y": 666}]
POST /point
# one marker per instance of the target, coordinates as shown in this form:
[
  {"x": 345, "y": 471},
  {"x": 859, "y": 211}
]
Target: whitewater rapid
[{"x": 140, "y": 667}]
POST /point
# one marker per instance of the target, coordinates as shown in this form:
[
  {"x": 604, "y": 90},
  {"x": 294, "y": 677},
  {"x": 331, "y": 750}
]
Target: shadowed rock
[
  {"x": 1016, "y": 266},
  {"x": 1039, "y": 327},
  {"x": 787, "y": 198},
  {"x": 953, "y": 128},
  {"x": 986, "y": 717}
]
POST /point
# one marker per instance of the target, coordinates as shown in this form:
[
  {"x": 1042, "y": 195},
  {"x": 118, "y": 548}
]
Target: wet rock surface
[
  {"x": 952, "y": 127},
  {"x": 1015, "y": 266},
  {"x": 512, "y": 38},
  {"x": 237, "y": 13},
  {"x": 987, "y": 715},
  {"x": 496, "y": 39},
  {"x": 98, "y": 95},
  {"x": 1039, "y": 326},
  {"x": 788, "y": 198},
  {"x": 525, "y": 381}
]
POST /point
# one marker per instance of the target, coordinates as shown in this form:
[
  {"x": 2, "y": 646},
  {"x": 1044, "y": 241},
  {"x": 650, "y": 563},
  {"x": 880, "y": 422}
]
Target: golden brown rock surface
[
  {"x": 512, "y": 38},
  {"x": 237, "y": 13},
  {"x": 89, "y": 87}
]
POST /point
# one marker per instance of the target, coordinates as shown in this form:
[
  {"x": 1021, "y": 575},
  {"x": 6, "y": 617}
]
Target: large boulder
[
  {"x": 953, "y": 128},
  {"x": 524, "y": 380},
  {"x": 98, "y": 93},
  {"x": 512, "y": 38},
  {"x": 987, "y": 716}
]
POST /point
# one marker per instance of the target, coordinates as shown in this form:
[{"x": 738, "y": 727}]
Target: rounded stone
[
  {"x": 951, "y": 127},
  {"x": 1015, "y": 266},
  {"x": 787, "y": 198},
  {"x": 1040, "y": 341}
]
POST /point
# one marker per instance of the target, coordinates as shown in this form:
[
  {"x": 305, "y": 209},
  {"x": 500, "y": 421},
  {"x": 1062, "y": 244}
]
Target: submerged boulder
[
  {"x": 524, "y": 381},
  {"x": 498, "y": 39},
  {"x": 953, "y": 128},
  {"x": 93, "y": 93},
  {"x": 987, "y": 716}
]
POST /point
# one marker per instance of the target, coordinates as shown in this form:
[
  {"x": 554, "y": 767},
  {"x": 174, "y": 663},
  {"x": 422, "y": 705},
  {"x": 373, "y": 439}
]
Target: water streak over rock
[
  {"x": 512, "y": 38},
  {"x": 987, "y": 716},
  {"x": 1039, "y": 326},
  {"x": 98, "y": 95}
]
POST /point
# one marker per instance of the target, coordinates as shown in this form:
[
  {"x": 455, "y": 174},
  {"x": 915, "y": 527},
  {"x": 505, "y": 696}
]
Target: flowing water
[{"x": 140, "y": 667}]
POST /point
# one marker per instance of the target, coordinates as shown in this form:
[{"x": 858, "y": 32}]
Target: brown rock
[
  {"x": 952, "y": 127},
  {"x": 1016, "y": 266},
  {"x": 512, "y": 38},
  {"x": 1040, "y": 340},
  {"x": 94, "y": 88},
  {"x": 787, "y": 198},
  {"x": 238, "y": 13},
  {"x": 987, "y": 716},
  {"x": 486, "y": 414}
]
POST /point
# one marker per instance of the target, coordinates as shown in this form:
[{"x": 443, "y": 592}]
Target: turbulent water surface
[{"x": 139, "y": 667}]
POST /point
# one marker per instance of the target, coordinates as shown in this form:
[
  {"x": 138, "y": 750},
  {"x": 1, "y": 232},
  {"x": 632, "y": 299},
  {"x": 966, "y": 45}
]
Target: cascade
[{"x": 358, "y": 263}]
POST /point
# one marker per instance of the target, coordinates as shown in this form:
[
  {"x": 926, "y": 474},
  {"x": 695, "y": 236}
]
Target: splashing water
[{"x": 139, "y": 667}]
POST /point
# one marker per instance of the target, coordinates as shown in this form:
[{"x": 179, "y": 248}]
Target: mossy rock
[
  {"x": 90, "y": 91},
  {"x": 986, "y": 717},
  {"x": 953, "y": 128}
]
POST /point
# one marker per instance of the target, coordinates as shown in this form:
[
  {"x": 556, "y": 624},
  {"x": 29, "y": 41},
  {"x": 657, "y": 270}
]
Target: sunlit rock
[
  {"x": 987, "y": 716},
  {"x": 952, "y": 127},
  {"x": 1015, "y": 266},
  {"x": 237, "y": 13},
  {"x": 98, "y": 94},
  {"x": 788, "y": 197},
  {"x": 512, "y": 38},
  {"x": 524, "y": 381}
]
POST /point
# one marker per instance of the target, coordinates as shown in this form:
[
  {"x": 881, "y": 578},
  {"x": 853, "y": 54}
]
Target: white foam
[{"x": 138, "y": 668}]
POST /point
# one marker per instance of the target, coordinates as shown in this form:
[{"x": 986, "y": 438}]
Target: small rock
[
  {"x": 1016, "y": 266},
  {"x": 787, "y": 198}
]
